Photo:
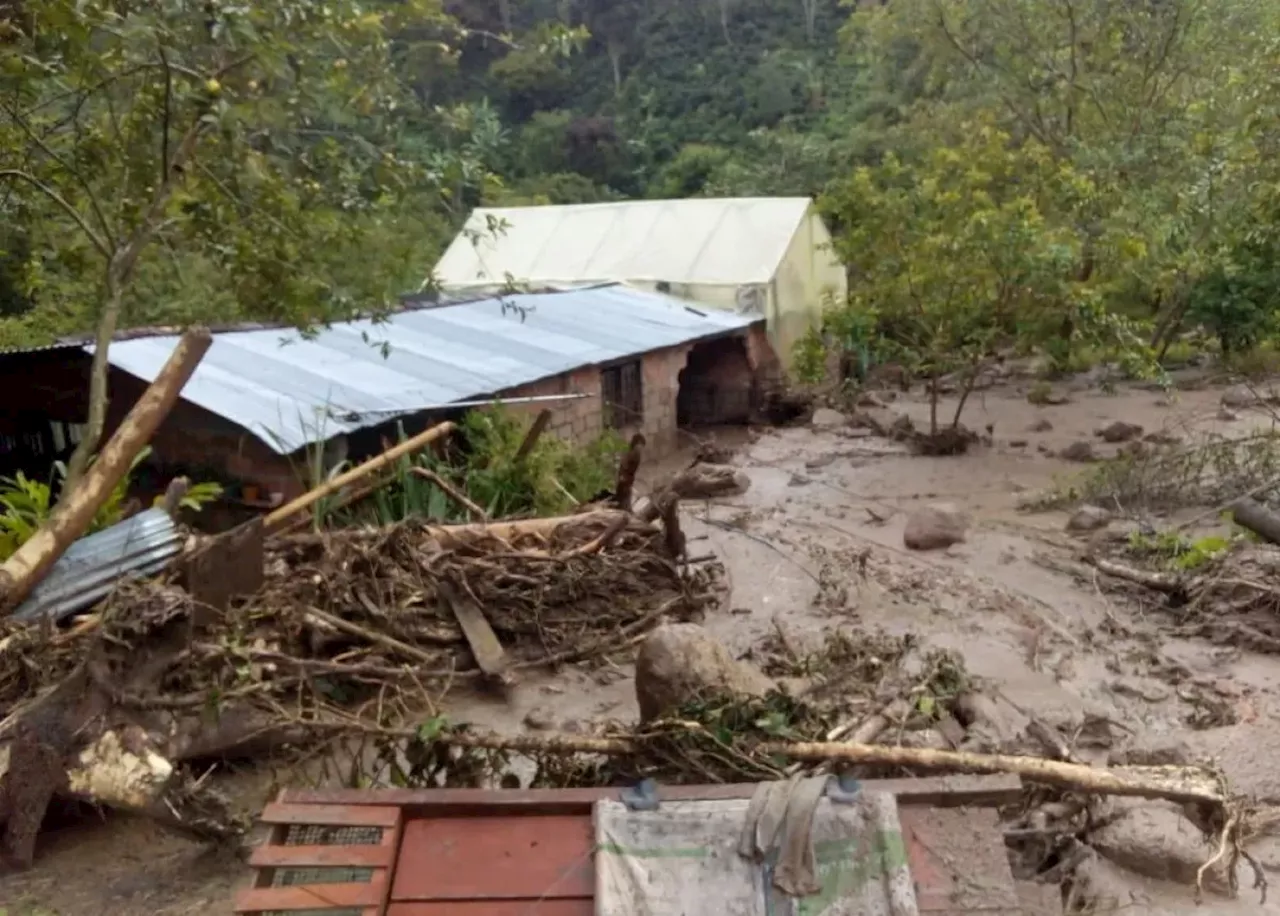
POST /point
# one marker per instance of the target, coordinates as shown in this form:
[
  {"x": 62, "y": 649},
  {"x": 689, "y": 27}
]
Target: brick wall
[
  {"x": 195, "y": 438},
  {"x": 582, "y": 420}
]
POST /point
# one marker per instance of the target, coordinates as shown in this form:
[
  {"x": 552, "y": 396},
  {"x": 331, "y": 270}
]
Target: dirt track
[{"x": 1050, "y": 646}]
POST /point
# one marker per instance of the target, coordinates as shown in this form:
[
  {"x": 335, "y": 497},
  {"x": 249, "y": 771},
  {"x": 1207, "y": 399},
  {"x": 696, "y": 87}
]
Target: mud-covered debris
[
  {"x": 1161, "y": 437},
  {"x": 1119, "y": 431},
  {"x": 1155, "y": 751},
  {"x": 1226, "y": 415},
  {"x": 679, "y": 663},
  {"x": 884, "y": 422},
  {"x": 826, "y": 418},
  {"x": 1040, "y": 426},
  {"x": 1156, "y": 840},
  {"x": 1088, "y": 518},
  {"x": 1080, "y": 451},
  {"x": 934, "y": 528}
]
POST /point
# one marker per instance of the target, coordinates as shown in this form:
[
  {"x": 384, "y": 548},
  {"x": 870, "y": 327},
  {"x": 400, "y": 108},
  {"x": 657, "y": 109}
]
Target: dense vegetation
[{"x": 1085, "y": 177}]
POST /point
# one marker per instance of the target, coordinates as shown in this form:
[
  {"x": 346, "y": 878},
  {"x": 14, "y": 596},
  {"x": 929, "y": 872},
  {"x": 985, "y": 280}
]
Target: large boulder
[
  {"x": 934, "y": 527},
  {"x": 680, "y": 662}
]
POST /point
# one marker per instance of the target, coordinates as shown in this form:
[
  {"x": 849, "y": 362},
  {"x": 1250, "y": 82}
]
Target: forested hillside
[{"x": 1072, "y": 176}]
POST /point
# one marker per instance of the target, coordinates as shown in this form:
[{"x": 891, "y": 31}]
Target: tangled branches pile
[
  {"x": 352, "y": 622},
  {"x": 1201, "y": 473}
]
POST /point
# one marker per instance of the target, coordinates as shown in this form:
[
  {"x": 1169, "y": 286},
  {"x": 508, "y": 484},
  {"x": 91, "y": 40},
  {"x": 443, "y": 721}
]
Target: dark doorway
[{"x": 715, "y": 384}]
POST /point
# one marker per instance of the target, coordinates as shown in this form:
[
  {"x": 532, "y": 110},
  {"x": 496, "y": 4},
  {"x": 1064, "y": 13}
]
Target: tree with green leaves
[
  {"x": 958, "y": 261},
  {"x": 255, "y": 142}
]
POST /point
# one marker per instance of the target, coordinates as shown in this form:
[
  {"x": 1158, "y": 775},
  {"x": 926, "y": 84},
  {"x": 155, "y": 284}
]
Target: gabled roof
[
  {"x": 289, "y": 390},
  {"x": 730, "y": 240}
]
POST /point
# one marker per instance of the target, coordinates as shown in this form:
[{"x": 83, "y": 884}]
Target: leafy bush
[{"x": 26, "y": 504}]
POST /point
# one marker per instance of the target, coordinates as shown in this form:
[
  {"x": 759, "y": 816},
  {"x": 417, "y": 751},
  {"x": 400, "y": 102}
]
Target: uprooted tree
[{"x": 247, "y": 149}]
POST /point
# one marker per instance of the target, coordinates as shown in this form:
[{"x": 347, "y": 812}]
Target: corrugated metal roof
[
  {"x": 290, "y": 391},
  {"x": 139, "y": 546},
  {"x": 731, "y": 240}
]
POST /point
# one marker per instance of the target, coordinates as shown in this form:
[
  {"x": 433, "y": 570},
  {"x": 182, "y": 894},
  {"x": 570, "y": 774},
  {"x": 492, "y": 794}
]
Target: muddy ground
[{"x": 1046, "y": 644}]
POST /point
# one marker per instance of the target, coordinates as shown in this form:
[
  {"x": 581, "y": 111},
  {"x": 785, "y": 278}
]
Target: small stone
[
  {"x": 1147, "y": 690},
  {"x": 540, "y": 719},
  {"x": 1088, "y": 518},
  {"x": 826, "y": 418},
  {"x": 869, "y": 399},
  {"x": 1040, "y": 426},
  {"x": 1017, "y": 443},
  {"x": 798, "y": 480},
  {"x": 1119, "y": 431},
  {"x": 820, "y": 462},
  {"x": 934, "y": 528},
  {"x": 1079, "y": 451}
]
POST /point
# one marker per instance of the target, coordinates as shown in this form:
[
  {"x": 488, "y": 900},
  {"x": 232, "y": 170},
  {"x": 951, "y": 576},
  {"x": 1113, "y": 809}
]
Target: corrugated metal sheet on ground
[
  {"x": 290, "y": 391},
  {"x": 140, "y": 546},
  {"x": 708, "y": 240}
]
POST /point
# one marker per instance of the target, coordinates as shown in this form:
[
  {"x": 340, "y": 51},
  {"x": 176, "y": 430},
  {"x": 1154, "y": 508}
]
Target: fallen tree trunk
[
  {"x": 280, "y": 517},
  {"x": 1251, "y": 514},
  {"x": 1177, "y": 783},
  {"x": 75, "y": 511},
  {"x": 1160, "y": 582}
]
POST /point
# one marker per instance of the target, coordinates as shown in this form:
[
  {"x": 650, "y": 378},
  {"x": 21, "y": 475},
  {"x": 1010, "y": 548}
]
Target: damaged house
[{"x": 264, "y": 399}]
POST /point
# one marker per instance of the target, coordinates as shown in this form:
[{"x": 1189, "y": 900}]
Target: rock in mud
[
  {"x": 680, "y": 662},
  {"x": 1161, "y": 437},
  {"x": 934, "y": 528},
  {"x": 1241, "y": 396},
  {"x": 870, "y": 399},
  {"x": 822, "y": 461},
  {"x": 1119, "y": 431},
  {"x": 826, "y": 418},
  {"x": 1040, "y": 426},
  {"x": 884, "y": 422},
  {"x": 1227, "y": 416},
  {"x": 1155, "y": 840},
  {"x": 1089, "y": 518},
  {"x": 1161, "y": 751},
  {"x": 1017, "y": 443},
  {"x": 1080, "y": 451}
]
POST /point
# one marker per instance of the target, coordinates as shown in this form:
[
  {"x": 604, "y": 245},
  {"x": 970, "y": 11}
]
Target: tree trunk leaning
[{"x": 75, "y": 510}]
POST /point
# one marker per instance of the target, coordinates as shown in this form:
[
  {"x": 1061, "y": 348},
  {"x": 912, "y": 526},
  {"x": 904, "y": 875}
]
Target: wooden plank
[
  {"x": 583, "y": 906},
  {"x": 348, "y": 856},
  {"x": 488, "y": 652},
  {"x": 496, "y": 858},
  {"x": 339, "y": 814},
  {"x": 313, "y": 897},
  {"x": 939, "y": 791}
]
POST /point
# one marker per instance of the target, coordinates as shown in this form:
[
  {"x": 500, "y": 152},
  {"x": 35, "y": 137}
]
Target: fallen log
[
  {"x": 75, "y": 511},
  {"x": 1251, "y": 514},
  {"x": 1176, "y": 783},
  {"x": 455, "y": 536},
  {"x": 281, "y": 517}
]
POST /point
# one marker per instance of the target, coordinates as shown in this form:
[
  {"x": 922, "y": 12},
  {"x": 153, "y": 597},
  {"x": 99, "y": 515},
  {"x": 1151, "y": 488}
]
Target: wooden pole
[
  {"x": 75, "y": 511},
  {"x": 277, "y": 519}
]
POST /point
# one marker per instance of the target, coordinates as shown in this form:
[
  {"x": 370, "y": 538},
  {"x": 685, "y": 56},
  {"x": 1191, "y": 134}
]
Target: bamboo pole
[
  {"x": 279, "y": 517},
  {"x": 75, "y": 511}
]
